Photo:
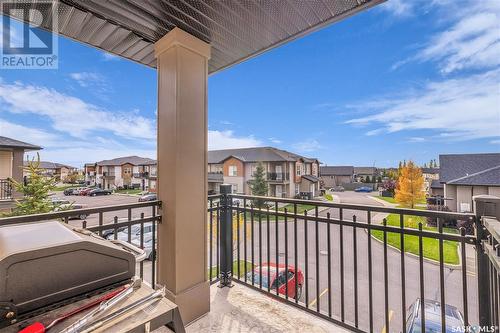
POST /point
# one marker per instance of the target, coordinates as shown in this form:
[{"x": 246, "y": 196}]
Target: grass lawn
[
  {"x": 393, "y": 201},
  {"x": 213, "y": 270},
  {"x": 430, "y": 246},
  {"x": 388, "y": 199},
  {"x": 329, "y": 197},
  {"x": 301, "y": 208},
  {"x": 63, "y": 187},
  {"x": 133, "y": 191}
]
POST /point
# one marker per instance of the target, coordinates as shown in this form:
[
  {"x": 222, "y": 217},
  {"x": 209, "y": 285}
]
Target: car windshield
[{"x": 256, "y": 279}]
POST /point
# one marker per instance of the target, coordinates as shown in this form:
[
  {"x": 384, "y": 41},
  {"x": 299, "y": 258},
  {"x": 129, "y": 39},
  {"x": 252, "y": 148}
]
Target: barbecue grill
[{"x": 49, "y": 264}]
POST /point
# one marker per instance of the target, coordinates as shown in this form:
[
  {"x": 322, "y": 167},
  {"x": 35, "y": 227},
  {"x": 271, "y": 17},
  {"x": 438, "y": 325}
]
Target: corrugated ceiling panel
[{"x": 236, "y": 29}]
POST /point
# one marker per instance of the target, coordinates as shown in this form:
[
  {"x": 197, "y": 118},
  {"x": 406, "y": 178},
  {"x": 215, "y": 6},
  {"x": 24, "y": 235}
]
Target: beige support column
[
  {"x": 182, "y": 62},
  {"x": 17, "y": 168}
]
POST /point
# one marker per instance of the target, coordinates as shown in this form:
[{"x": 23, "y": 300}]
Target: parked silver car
[{"x": 135, "y": 237}]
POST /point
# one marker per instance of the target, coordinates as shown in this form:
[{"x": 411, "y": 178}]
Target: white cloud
[
  {"x": 275, "y": 141},
  {"x": 309, "y": 145},
  {"x": 398, "y": 8},
  {"x": 227, "y": 140},
  {"x": 72, "y": 115},
  {"x": 86, "y": 79},
  {"x": 470, "y": 40},
  {"x": 495, "y": 142},
  {"x": 416, "y": 139},
  {"x": 27, "y": 134},
  {"x": 109, "y": 57},
  {"x": 458, "y": 109}
]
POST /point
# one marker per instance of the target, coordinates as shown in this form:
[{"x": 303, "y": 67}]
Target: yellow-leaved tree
[{"x": 410, "y": 189}]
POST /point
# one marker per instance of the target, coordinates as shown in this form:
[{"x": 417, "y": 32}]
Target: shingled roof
[
  {"x": 6, "y": 142},
  {"x": 134, "y": 160},
  {"x": 488, "y": 177},
  {"x": 337, "y": 170},
  {"x": 458, "y": 166},
  {"x": 256, "y": 154},
  {"x": 51, "y": 165}
]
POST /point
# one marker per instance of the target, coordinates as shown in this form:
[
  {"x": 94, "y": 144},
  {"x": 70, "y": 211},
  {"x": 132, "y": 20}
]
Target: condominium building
[{"x": 287, "y": 174}]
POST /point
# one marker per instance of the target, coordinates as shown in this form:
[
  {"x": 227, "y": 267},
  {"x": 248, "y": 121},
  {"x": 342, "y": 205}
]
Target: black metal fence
[
  {"x": 343, "y": 262},
  {"x": 5, "y": 189},
  {"x": 135, "y": 223}
]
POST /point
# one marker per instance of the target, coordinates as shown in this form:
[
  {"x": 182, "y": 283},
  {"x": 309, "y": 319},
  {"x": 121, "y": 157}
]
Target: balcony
[
  {"x": 108, "y": 174},
  {"x": 349, "y": 275},
  {"x": 278, "y": 177},
  {"x": 5, "y": 189}
]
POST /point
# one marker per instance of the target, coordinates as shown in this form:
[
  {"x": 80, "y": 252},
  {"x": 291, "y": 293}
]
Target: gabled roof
[
  {"x": 365, "y": 170},
  {"x": 51, "y": 165},
  {"x": 6, "y": 142},
  {"x": 134, "y": 160},
  {"x": 432, "y": 171},
  {"x": 256, "y": 154},
  {"x": 488, "y": 177},
  {"x": 336, "y": 170},
  {"x": 454, "y": 166},
  {"x": 436, "y": 184},
  {"x": 310, "y": 178}
]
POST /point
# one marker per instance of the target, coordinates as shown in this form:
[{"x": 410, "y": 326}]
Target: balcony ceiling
[{"x": 236, "y": 29}]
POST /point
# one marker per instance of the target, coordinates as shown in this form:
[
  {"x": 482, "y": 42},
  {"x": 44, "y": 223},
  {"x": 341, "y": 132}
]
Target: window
[
  {"x": 298, "y": 169},
  {"x": 233, "y": 170},
  {"x": 297, "y": 189}
]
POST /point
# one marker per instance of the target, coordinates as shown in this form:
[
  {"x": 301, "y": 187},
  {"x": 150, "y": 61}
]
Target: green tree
[
  {"x": 258, "y": 185},
  {"x": 35, "y": 191},
  {"x": 367, "y": 179}
]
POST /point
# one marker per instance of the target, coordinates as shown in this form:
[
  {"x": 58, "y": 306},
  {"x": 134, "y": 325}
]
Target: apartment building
[
  {"x": 288, "y": 174},
  {"x": 51, "y": 169},
  {"x": 430, "y": 175},
  {"x": 123, "y": 172},
  {"x": 466, "y": 175}
]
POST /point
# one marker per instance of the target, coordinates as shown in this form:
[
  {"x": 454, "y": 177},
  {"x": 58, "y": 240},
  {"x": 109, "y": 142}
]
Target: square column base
[{"x": 193, "y": 303}]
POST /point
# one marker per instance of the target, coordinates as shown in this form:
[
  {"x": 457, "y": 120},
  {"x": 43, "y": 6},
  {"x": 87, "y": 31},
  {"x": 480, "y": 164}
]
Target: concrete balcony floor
[{"x": 241, "y": 309}]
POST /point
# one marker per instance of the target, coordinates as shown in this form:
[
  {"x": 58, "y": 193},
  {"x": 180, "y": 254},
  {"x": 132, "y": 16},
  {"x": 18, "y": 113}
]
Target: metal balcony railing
[
  {"x": 5, "y": 189},
  {"x": 135, "y": 223},
  {"x": 278, "y": 176},
  {"x": 343, "y": 262},
  {"x": 340, "y": 262}
]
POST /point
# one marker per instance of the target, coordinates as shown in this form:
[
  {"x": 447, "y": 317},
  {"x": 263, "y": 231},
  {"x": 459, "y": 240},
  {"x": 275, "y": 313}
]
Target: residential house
[
  {"x": 436, "y": 188},
  {"x": 332, "y": 176},
  {"x": 429, "y": 174},
  {"x": 50, "y": 169},
  {"x": 288, "y": 174},
  {"x": 11, "y": 167},
  {"x": 124, "y": 172},
  {"x": 361, "y": 174},
  {"x": 466, "y": 175}
]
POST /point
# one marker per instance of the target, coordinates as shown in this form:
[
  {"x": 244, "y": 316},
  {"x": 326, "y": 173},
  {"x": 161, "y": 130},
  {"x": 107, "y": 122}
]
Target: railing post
[
  {"x": 482, "y": 260},
  {"x": 226, "y": 236}
]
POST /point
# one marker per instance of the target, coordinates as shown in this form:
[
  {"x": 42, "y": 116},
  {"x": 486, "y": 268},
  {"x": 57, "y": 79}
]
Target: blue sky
[{"x": 404, "y": 80}]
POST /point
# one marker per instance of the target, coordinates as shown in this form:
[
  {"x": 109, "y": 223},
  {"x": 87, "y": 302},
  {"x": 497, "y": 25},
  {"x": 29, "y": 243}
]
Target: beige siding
[
  {"x": 5, "y": 164},
  {"x": 494, "y": 190}
]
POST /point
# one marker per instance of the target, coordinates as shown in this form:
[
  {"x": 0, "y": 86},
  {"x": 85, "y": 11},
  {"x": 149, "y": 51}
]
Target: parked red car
[
  {"x": 87, "y": 190},
  {"x": 278, "y": 278}
]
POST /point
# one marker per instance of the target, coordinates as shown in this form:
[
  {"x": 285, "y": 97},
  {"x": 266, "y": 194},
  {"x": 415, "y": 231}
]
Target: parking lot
[{"x": 101, "y": 201}]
